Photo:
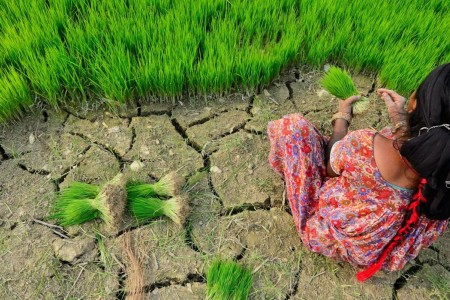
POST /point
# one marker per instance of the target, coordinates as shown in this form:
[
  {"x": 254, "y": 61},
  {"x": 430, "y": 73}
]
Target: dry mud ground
[{"x": 238, "y": 208}]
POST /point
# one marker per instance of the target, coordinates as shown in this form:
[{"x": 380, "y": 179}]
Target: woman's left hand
[{"x": 345, "y": 106}]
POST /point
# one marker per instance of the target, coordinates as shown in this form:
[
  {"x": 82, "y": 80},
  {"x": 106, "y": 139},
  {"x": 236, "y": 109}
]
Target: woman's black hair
[{"x": 428, "y": 151}]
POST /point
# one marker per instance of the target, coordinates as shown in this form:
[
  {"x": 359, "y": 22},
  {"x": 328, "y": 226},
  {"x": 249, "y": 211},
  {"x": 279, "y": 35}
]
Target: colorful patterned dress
[{"x": 351, "y": 217}]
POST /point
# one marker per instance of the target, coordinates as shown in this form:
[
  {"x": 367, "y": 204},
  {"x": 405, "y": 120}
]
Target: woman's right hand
[{"x": 395, "y": 104}]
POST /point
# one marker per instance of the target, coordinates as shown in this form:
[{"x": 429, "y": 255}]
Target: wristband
[
  {"x": 341, "y": 115},
  {"x": 398, "y": 126}
]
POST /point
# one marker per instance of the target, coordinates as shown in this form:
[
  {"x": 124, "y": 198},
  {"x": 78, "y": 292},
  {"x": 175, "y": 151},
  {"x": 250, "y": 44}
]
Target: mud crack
[
  {"x": 121, "y": 294},
  {"x": 207, "y": 166},
  {"x": 291, "y": 91},
  {"x": 246, "y": 207},
  {"x": 403, "y": 279},
  {"x": 255, "y": 132},
  {"x": 183, "y": 134},
  {"x": 133, "y": 139},
  {"x": 190, "y": 278},
  {"x": 153, "y": 113},
  {"x": 241, "y": 254},
  {"x": 292, "y": 291},
  {"x": 3, "y": 154},
  {"x": 118, "y": 157},
  {"x": 45, "y": 115},
  {"x": 188, "y": 238},
  {"x": 249, "y": 108},
  {"x": 66, "y": 172},
  {"x": 33, "y": 171}
]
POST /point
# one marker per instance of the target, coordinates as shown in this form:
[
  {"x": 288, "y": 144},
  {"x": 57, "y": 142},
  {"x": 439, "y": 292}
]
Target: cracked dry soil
[{"x": 237, "y": 202}]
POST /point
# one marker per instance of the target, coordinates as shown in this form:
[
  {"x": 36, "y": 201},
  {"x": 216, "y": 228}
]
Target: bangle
[
  {"x": 398, "y": 126},
  {"x": 341, "y": 115}
]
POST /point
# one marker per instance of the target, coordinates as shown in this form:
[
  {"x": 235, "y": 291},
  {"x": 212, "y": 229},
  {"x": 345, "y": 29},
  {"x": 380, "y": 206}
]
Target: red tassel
[
  {"x": 413, "y": 219},
  {"x": 369, "y": 272}
]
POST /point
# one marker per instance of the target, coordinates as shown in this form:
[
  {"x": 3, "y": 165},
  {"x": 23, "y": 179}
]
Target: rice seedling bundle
[
  {"x": 339, "y": 83},
  {"x": 82, "y": 202},
  {"x": 228, "y": 280},
  {"x": 145, "y": 203}
]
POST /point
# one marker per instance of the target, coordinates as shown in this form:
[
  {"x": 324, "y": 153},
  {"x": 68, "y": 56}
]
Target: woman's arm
[{"x": 340, "y": 128}]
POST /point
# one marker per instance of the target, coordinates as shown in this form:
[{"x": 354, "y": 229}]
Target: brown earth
[{"x": 237, "y": 206}]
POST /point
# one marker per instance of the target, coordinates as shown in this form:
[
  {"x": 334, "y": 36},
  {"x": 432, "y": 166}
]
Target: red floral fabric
[{"x": 351, "y": 217}]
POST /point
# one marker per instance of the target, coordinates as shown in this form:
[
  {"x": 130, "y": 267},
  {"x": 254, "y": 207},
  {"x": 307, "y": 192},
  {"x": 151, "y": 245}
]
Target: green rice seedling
[
  {"x": 111, "y": 51},
  {"x": 147, "y": 208},
  {"x": 168, "y": 186},
  {"x": 228, "y": 280},
  {"x": 82, "y": 202},
  {"x": 339, "y": 83},
  {"x": 76, "y": 204},
  {"x": 14, "y": 94}
]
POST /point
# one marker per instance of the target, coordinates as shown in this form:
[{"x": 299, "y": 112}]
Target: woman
[{"x": 374, "y": 199}]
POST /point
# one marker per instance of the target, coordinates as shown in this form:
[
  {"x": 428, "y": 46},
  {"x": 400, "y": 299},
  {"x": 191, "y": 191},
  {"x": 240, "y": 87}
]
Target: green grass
[
  {"x": 114, "y": 51},
  {"x": 228, "y": 280}
]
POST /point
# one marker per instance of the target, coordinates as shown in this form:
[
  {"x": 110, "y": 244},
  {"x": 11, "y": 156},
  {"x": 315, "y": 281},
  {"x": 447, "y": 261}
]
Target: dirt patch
[
  {"x": 112, "y": 133},
  {"x": 190, "y": 291},
  {"x": 262, "y": 240},
  {"x": 222, "y": 125},
  {"x": 267, "y": 107},
  {"x": 65, "y": 151},
  {"x": 192, "y": 113},
  {"x": 240, "y": 173},
  {"x": 31, "y": 133},
  {"x": 322, "y": 278},
  {"x": 431, "y": 282},
  {"x": 442, "y": 246},
  {"x": 96, "y": 167},
  {"x": 166, "y": 257},
  {"x": 162, "y": 148},
  {"x": 23, "y": 195},
  {"x": 31, "y": 271}
]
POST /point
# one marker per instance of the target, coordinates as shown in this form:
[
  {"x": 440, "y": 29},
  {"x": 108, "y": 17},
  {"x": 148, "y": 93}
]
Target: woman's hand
[
  {"x": 395, "y": 104},
  {"x": 345, "y": 106}
]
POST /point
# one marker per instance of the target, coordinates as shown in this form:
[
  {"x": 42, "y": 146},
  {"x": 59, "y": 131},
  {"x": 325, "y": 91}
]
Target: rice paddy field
[{"x": 116, "y": 52}]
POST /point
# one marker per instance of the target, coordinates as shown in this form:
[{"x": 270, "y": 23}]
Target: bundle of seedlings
[
  {"x": 83, "y": 202},
  {"x": 148, "y": 201},
  {"x": 227, "y": 280},
  {"x": 339, "y": 83}
]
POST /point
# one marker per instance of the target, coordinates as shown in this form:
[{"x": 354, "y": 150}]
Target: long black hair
[{"x": 428, "y": 150}]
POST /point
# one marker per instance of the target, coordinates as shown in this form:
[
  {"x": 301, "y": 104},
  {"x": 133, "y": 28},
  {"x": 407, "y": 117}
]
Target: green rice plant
[
  {"x": 77, "y": 204},
  {"x": 228, "y": 280},
  {"x": 83, "y": 202},
  {"x": 14, "y": 94},
  {"x": 147, "y": 208},
  {"x": 111, "y": 51},
  {"x": 339, "y": 83},
  {"x": 168, "y": 186}
]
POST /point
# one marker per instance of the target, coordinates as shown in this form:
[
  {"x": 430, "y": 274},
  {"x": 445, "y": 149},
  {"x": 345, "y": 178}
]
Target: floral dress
[{"x": 350, "y": 217}]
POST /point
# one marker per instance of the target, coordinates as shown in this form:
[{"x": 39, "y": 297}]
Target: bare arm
[{"x": 340, "y": 129}]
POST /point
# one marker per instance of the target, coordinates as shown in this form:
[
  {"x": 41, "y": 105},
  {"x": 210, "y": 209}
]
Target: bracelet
[
  {"x": 341, "y": 115},
  {"x": 398, "y": 126}
]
